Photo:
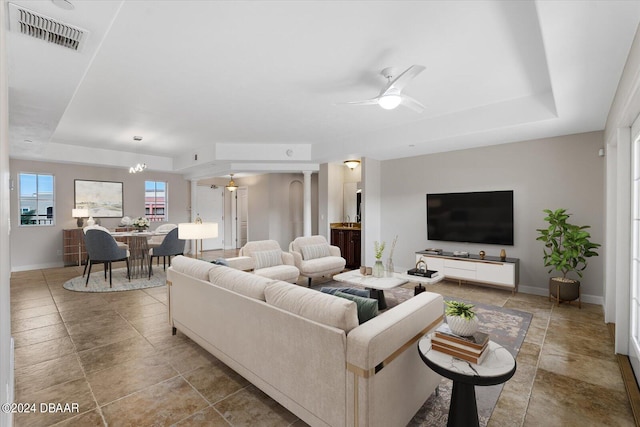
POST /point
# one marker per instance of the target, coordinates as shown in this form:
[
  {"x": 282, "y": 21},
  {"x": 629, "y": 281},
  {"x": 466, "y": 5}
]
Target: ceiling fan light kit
[
  {"x": 391, "y": 95},
  {"x": 389, "y": 102}
]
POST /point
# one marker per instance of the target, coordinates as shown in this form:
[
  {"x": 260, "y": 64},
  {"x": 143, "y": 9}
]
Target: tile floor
[{"x": 114, "y": 355}]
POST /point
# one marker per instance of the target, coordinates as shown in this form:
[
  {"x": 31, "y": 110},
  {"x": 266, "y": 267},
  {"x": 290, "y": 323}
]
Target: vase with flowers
[
  {"x": 141, "y": 223},
  {"x": 378, "y": 268}
]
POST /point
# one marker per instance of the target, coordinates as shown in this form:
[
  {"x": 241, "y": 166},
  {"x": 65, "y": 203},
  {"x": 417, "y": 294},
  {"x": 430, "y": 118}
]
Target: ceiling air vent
[{"x": 48, "y": 29}]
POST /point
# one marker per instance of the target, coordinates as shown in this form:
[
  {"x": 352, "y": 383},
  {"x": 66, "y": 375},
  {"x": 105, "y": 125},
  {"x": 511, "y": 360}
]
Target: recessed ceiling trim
[{"x": 42, "y": 27}]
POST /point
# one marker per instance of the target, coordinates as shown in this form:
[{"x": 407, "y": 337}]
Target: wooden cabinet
[
  {"x": 348, "y": 240},
  {"x": 490, "y": 270},
  {"x": 73, "y": 246}
]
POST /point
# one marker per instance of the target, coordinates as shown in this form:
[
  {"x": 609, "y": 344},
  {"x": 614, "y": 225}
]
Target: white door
[{"x": 210, "y": 207}]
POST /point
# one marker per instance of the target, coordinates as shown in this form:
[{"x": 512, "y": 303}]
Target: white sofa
[
  {"x": 305, "y": 348},
  {"x": 315, "y": 257}
]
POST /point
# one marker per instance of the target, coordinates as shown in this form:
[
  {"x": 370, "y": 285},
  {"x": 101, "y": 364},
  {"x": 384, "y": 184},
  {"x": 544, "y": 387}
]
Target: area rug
[
  {"x": 119, "y": 279},
  {"x": 507, "y": 327}
]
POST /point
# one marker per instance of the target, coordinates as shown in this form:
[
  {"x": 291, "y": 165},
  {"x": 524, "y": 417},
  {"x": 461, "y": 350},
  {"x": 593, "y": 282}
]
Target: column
[
  {"x": 194, "y": 213},
  {"x": 307, "y": 204}
]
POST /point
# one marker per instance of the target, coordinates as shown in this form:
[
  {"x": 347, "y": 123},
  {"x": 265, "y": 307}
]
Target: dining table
[{"x": 138, "y": 249}]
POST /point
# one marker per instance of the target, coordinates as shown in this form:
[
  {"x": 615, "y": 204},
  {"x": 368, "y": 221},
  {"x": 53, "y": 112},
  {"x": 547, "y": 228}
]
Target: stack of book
[{"x": 472, "y": 348}]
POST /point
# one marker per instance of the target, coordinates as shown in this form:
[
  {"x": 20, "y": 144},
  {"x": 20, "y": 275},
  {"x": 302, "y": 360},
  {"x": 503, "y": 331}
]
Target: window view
[
  {"x": 36, "y": 199},
  {"x": 155, "y": 200}
]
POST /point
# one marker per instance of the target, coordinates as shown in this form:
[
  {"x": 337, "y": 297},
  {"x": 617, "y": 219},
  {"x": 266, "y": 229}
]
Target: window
[
  {"x": 36, "y": 199},
  {"x": 155, "y": 200}
]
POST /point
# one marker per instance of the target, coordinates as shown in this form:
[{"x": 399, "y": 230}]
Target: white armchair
[
  {"x": 314, "y": 257},
  {"x": 267, "y": 259}
]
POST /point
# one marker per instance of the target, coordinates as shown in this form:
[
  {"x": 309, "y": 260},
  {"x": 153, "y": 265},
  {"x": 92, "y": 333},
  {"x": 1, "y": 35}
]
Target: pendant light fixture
[
  {"x": 352, "y": 164},
  {"x": 231, "y": 186},
  {"x": 140, "y": 167}
]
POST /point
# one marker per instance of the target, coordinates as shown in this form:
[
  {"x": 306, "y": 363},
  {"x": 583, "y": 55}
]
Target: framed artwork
[{"x": 103, "y": 199}]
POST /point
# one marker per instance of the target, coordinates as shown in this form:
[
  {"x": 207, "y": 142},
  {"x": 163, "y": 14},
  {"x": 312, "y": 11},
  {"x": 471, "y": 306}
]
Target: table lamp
[
  {"x": 79, "y": 214},
  {"x": 197, "y": 231}
]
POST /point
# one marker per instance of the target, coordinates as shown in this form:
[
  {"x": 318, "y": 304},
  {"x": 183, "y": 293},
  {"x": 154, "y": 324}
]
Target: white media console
[{"x": 490, "y": 270}]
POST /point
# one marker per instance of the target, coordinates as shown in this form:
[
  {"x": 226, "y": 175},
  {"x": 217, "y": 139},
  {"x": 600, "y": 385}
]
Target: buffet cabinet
[
  {"x": 73, "y": 251},
  {"x": 348, "y": 240}
]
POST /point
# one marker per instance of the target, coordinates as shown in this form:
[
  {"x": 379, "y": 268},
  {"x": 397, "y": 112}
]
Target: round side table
[{"x": 498, "y": 367}]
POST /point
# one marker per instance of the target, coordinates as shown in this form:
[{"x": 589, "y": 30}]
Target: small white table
[{"x": 377, "y": 285}]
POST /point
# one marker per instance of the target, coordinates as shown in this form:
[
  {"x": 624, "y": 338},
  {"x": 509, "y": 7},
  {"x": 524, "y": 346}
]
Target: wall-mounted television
[{"x": 476, "y": 217}]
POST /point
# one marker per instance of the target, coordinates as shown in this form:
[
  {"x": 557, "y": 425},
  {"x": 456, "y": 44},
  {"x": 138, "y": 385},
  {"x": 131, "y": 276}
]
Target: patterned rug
[
  {"x": 119, "y": 279},
  {"x": 507, "y": 327}
]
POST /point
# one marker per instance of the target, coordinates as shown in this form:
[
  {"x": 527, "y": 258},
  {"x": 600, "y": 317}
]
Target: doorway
[
  {"x": 240, "y": 217},
  {"x": 210, "y": 207}
]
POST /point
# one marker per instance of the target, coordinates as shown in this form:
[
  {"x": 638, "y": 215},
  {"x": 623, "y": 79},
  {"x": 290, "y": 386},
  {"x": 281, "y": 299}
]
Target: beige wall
[
  {"x": 270, "y": 213},
  {"x": 563, "y": 172},
  {"x": 39, "y": 247}
]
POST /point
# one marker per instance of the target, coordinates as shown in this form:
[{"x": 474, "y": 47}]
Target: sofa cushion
[
  {"x": 284, "y": 272},
  {"x": 244, "y": 283},
  {"x": 268, "y": 258},
  {"x": 193, "y": 267},
  {"x": 367, "y": 307},
  {"x": 320, "y": 250},
  {"x": 313, "y": 305}
]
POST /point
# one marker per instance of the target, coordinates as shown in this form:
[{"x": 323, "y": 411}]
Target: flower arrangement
[
  {"x": 378, "y": 248},
  {"x": 141, "y": 223}
]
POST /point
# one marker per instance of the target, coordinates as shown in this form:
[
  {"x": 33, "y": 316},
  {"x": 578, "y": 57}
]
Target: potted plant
[
  {"x": 566, "y": 249},
  {"x": 461, "y": 318}
]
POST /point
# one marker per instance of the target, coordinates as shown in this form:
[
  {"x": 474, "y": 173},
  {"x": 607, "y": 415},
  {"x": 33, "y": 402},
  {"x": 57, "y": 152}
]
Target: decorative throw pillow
[
  {"x": 266, "y": 259},
  {"x": 367, "y": 307},
  {"x": 320, "y": 250},
  {"x": 353, "y": 291}
]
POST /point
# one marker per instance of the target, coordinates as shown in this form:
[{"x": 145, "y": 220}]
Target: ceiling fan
[{"x": 391, "y": 95}]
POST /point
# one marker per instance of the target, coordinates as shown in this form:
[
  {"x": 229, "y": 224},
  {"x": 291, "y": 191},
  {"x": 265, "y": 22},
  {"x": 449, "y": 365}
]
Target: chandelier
[{"x": 140, "y": 167}]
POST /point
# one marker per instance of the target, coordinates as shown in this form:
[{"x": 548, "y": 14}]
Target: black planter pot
[{"x": 564, "y": 290}]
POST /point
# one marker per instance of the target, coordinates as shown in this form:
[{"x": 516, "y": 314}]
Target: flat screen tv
[{"x": 477, "y": 217}]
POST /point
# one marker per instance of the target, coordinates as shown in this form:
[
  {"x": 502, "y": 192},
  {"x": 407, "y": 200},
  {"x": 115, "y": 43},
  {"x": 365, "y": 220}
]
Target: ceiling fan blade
[
  {"x": 411, "y": 103},
  {"x": 373, "y": 101},
  {"x": 403, "y": 79}
]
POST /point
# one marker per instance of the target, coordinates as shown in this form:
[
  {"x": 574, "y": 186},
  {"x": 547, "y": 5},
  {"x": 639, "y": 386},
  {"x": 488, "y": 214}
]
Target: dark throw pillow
[
  {"x": 364, "y": 293},
  {"x": 367, "y": 307}
]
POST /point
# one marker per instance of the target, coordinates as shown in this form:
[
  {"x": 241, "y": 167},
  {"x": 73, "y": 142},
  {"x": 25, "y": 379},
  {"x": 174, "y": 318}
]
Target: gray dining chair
[
  {"x": 169, "y": 247},
  {"x": 102, "y": 248}
]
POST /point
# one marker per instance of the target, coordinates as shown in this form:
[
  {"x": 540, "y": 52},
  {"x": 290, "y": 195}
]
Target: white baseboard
[
  {"x": 531, "y": 290},
  {"x": 36, "y": 266}
]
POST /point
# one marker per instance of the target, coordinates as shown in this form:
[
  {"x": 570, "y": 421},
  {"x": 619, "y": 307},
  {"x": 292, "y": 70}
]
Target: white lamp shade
[
  {"x": 192, "y": 231},
  {"x": 79, "y": 213}
]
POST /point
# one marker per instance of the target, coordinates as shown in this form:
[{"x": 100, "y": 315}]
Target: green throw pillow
[{"x": 367, "y": 307}]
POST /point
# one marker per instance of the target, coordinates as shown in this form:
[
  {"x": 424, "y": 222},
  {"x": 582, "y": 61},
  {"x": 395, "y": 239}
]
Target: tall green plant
[{"x": 566, "y": 246}]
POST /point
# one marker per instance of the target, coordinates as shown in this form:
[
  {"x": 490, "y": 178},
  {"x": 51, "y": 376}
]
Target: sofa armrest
[
  {"x": 334, "y": 251},
  {"x": 287, "y": 258},
  {"x": 377, "y": 342},
  {"x": 297, "y": 258},
  {"x": 243, "y": 263}
]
